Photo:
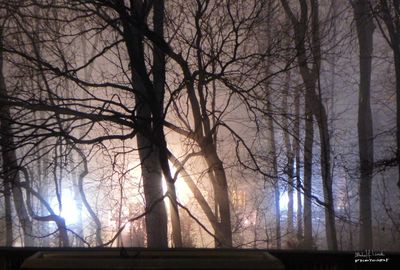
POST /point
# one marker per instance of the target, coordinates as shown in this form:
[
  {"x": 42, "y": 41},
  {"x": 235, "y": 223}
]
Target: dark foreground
[{"x": 113, "y": 258}]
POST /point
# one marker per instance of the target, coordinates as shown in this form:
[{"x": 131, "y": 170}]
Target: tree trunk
[
  {"x": 6, "y": 183},
  {"x": 82, "y": 194},
  {"x": 271, "y": 133},
  {"x": 159, "y": 84},
  {"x": 60, "y": 222},
  {"x": 8, "y": 214},
  {"x": 297, "y": 158},
  {"x": 274, "y": 171},
  {"x": 156, "y": 221},
  {"x": 220, "y": 185},
  {"x": 391, "y": 17},
  {"x": 289, "y": 169},
  {"x": 330, "y": 225},
  {"x": 10, "y": 163},
  {"x": 198, "y": 196},
  {"x": 147, "y": 120},
  {"x": 396, "y": 53},
  {"x": 365, "y": 29},
  {"x": 308, "y": 157},
  {"x": 314, "y": 105}
]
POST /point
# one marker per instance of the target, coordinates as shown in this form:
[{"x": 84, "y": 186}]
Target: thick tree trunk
[
  {"x": 159, "y": 84},
  {"x": 10, "y": 164},
  {"x": 148, "y": 120},
  {"x": 365, "y": 29},
  {"x": 397, "y": 70},
  {"x": 7, "y": 215},
  {"x": 220, "y": 185},
  {"x": 6, "y": 182},
  {"x": 156, "y": 221},
  {"x": 308, "y": 157}
]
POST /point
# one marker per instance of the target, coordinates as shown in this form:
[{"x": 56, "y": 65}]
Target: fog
[{"x": 216, "y": 124}]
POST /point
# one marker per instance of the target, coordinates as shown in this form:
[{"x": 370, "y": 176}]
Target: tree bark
[
  {"x": 7, "y": 215},
  {"x": 199, "y": 197},
  {"x": 148, "y": 122},
  {"x": 390, "y": 14},
  {"x": 308, "y": 157},
  {"x": 274, "y": 171},
  {"x": 271, "y": 150},
  {"x": 10, "y": 163},
  {"x": 365, "y": 29},
  {"x": 296, "y": 151},
  {"x": 289, "y": 169},
  {"x": 220, "y": 186},
  {"x": 159, "y": 84},
  {"x": 150, "y": 116},
  {"x": 314, "y": 105},
  {"x": 6, "y": 183}
]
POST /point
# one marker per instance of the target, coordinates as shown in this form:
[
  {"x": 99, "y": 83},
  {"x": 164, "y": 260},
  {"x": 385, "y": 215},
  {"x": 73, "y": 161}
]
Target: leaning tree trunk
[
  {"x": 158, "y": 115},
  {"x": 320, "y": 114},
  {"x": 308, "y": 154},
  {"x": 330, "y": 225},
  {"x": 365, "y": 29},
  {"x": 220, "y": 185}
]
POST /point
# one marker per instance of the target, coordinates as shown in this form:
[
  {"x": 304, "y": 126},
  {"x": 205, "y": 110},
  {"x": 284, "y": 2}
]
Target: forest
[{"x": 270, "y": 124}]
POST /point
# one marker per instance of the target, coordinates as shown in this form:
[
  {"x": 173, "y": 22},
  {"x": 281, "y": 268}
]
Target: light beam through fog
[{"x": 69, "y": 211}]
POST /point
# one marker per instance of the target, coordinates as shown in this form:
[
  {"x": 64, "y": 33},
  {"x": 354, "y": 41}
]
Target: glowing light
[
  {"x": 183, "y": 192},
  {"x": 284, "y": 201},
  {"x": 69, "y": 211}
]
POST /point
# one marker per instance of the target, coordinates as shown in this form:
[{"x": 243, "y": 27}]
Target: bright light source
[
  {"x": 284, "y": 200},
  {"x": 70, "y": 211},
  {"x": 183, "y": 192}
]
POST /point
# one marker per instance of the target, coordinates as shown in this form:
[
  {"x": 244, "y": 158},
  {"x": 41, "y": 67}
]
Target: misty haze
[{"x": 200, "y": 124}]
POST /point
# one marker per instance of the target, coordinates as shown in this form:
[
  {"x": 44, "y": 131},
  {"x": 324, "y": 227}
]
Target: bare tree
[
  {"x": 289, "y": 166},
  {"x": 388, "y": 13},
  {"x": 6, "y": 184},
  {"x": 313, "y": 105},
  {"x": 365, "y": 30},
  {"x": 10, "y": 164}
]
